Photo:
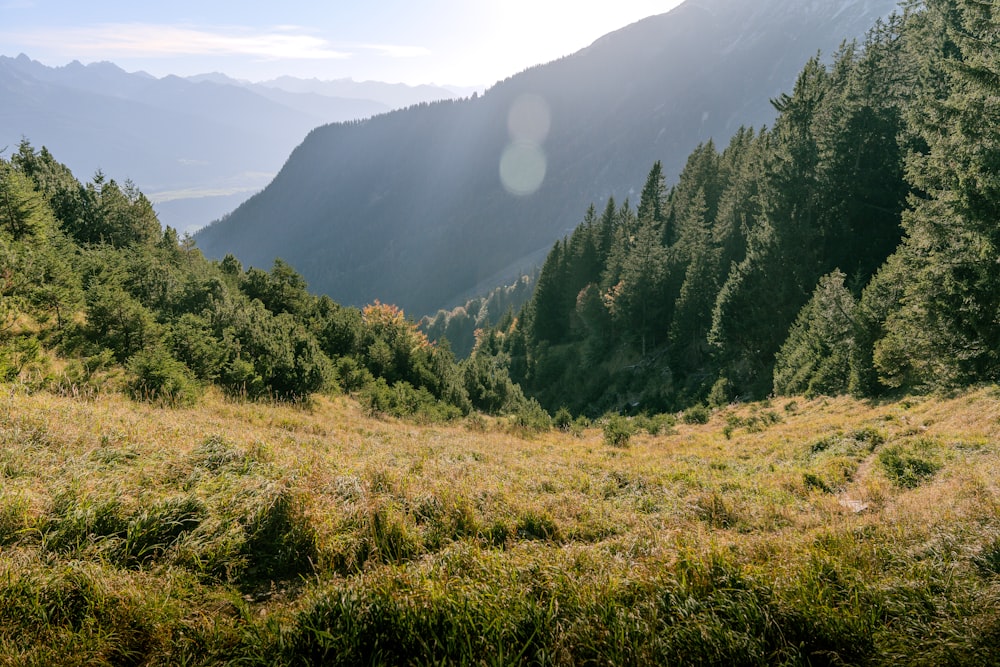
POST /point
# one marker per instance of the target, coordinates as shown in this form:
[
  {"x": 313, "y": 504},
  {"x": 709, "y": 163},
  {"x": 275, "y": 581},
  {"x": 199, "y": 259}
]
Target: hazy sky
[{"x": 458, "y": 42}]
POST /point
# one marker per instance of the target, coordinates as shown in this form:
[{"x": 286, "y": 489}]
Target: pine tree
[
  {"x": 653, "y": 200},
  {"x": 816, "y": 356},
  {"x": 947, "y": 330},
  {"x": 23, "y": 212},
  {"x": 637, "y": 301},
  {"x": 692, "y": 312},
  {"x": 549, "y": 319}
]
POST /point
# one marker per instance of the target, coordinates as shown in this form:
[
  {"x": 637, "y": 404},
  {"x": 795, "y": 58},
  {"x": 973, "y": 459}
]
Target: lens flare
[
  {"x": 522, "y": 168},
  {"x": 523, "y": 163}
]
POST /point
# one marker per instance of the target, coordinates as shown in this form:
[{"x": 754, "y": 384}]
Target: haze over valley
[{"x": 198, "y": 146}]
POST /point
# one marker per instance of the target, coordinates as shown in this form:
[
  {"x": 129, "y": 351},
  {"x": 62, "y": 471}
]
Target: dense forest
[
  {"x": 95, "y": 295},
  {"x": 851, "y": 247}
]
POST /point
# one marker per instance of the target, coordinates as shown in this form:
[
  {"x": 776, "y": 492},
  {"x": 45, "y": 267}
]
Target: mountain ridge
[{"x": 179, "y": 138}]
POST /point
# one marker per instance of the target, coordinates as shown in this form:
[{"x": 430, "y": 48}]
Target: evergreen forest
[
  {"x": 97, "y": 296},
  {"x": 850, "y": 248}
]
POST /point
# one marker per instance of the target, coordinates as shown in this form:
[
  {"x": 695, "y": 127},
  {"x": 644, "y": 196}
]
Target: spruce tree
[{"x": 946, "y": 330}]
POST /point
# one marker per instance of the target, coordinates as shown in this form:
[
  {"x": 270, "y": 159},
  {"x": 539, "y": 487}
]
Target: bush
[
  {"x": 721, "y": 393},
  {"x": 654, "y": 424},
  {"x": 579, "y": 425},
  {"x": 696, "y": 414},
  {"x": 156, "y": 376},
  {"x": 563, "y": 419},
  {"x": 16, "y": 355},
  {"x": 403, "y": 400},
  {"x": 531, "y": 417},
  {"x": 351, "y": 375},
  {"x": 271, "y": 356},
  {"x": 618, "y": 431}
]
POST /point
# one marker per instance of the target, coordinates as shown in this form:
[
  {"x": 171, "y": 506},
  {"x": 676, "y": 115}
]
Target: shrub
[
  {"x": 562, "y": 419},
  {"x": 618, "y": 431},
  {"x": 16, "y": 355},
  {"x": 654, "y": 424},
  {"x": 271, "y": 356},
  {"x": 721, "y": 393},
  {"x": 531, "y": 417},
  {"x": 403, "y": 400},
  {"x": 352, "y": 375},
  {"x": 696, "y": 414},
  {"x": 156, "y": 376}
]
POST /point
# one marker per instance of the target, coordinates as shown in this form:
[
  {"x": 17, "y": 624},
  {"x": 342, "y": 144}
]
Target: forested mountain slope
[
  {"x": 95, "y": 297},
  {"x": 409, "y": 207},
  {"x": 851, "y": 247}
]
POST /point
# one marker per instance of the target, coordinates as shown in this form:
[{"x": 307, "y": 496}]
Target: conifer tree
[
  {"x": 816, "y": 357},
  {"x": 946, "y": 329}
]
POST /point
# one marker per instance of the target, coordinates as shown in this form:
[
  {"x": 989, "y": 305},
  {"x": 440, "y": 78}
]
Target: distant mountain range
[
  {"x": 410, "y": 208},
  {"x": 197, "y": 146}
]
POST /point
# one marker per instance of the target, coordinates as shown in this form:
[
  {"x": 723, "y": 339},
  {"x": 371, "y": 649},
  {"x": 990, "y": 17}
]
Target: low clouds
[{"x": 129, "y": 40}]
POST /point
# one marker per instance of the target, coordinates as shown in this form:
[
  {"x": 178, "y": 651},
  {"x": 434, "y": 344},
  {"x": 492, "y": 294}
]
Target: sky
[{"x": 446, "y": 42}]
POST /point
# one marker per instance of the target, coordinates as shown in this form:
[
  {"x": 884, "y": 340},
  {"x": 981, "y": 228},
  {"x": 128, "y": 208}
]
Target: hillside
[
  {"x": 848, "y": 248},
  {"x": 825, "y": 531},
  {"x": 409, "y": 207}
]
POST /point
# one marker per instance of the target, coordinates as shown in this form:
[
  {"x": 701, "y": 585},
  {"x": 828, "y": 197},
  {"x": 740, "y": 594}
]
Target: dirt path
[{"x": 845, "y": 497}]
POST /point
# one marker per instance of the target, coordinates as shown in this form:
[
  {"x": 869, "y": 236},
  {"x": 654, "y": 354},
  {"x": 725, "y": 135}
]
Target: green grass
[{"x": 839, "y": 532}]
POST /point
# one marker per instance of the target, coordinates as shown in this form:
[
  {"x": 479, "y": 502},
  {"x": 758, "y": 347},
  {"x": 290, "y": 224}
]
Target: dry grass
[{"x": 245, "y": 531}]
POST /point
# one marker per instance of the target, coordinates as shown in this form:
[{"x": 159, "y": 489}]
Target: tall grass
[{"x": 313, "y": 534}]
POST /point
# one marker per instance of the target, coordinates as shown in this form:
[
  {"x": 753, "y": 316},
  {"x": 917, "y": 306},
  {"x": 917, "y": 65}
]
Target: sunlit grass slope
[{"x": 822, "y": 531}]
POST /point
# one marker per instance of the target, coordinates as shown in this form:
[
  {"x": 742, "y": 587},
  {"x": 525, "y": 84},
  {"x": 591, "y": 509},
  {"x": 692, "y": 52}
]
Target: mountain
[
  {"x": 409, "y": 207},
  {"x": 197, "y": 146},
  {"x": 392, "y": 95}
]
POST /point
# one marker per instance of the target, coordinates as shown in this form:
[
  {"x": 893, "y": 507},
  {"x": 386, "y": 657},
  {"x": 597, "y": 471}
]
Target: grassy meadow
[{"x": 823, "y": 531}]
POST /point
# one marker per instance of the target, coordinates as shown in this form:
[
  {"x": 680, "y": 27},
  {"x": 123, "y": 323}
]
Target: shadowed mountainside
[{"x": 409, "y": 207}]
